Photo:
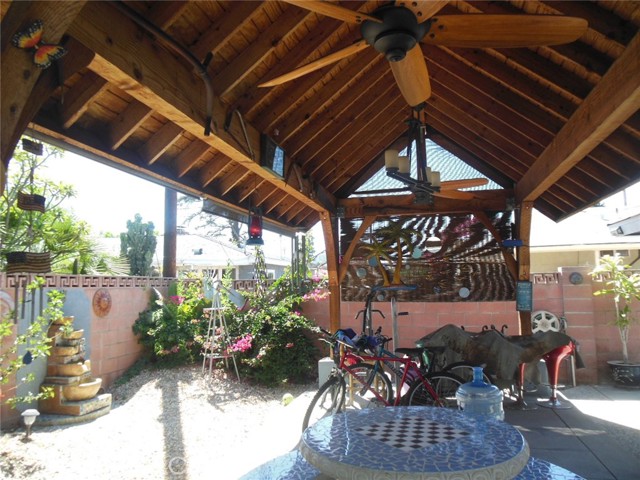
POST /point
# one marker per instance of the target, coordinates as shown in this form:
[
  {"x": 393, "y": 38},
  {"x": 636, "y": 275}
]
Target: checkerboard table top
[{"x": 414, "y": 442}]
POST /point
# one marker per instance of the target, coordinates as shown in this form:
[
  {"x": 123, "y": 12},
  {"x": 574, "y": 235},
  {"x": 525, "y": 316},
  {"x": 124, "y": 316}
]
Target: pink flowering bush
[{"x": 173, "y": 328}]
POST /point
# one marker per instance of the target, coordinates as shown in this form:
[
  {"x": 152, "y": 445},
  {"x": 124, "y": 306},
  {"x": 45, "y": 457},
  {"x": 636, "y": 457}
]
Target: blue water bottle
[{"x": 480, "y": 398}]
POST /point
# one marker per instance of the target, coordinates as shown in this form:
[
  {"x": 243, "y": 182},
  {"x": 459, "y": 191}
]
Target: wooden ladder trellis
[{"x": 217, "y": 342}]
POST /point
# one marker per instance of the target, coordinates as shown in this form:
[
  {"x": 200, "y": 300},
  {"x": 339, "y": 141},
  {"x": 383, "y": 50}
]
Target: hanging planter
[
  {"x": 28, "y": 262},
  {"x": 31, "y": 202}
]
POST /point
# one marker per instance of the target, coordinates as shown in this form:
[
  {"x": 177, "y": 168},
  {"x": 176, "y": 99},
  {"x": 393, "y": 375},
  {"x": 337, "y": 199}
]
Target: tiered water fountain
[{"x": 76, "y": 396}]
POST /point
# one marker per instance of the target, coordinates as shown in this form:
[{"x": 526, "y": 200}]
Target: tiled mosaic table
[
  {"x": 293, "y": 466},
  {"x": 414, "y": 443}
]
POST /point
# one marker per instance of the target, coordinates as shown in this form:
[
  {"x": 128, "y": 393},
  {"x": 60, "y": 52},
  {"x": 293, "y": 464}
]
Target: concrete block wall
[{"x": 589, "y": 319}]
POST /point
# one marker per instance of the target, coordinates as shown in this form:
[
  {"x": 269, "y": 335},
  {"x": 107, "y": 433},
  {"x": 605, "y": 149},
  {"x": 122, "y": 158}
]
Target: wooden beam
[
  {"x": 506, "y": 254},
  {"x": 330, "y": 231},
  {"x": 127, "y": 122},
  {"x": 160, "y": 142},
  {"x": 77, "y": 58},
  {"x": 18, "y": 72},
  {"x": 403, "y": 205},
  {"x": 611, "y": 102},
  {"x": 79, "y": 98},
  {"x": 346, "y": 258},
  {"x": 190, "y": 156},
  {"x": 158, "y": 79}
]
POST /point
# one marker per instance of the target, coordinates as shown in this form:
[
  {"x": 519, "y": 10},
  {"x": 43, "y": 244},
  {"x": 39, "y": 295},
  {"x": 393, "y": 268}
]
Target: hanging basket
[
  {"x": 28, "y": 262},
  {"x": 31, "y": 202}
]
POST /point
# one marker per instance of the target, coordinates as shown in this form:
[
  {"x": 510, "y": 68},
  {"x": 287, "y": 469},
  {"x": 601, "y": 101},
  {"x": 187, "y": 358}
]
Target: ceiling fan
[
  {"x": 427, "y": 184},
  {"x": 397, "y": 28}
]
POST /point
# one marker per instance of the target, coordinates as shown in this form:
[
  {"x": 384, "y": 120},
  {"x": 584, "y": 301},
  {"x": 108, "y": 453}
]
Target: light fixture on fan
[
  {"x": 255, "y": 229},
  {"x": 399, "y": 166}
]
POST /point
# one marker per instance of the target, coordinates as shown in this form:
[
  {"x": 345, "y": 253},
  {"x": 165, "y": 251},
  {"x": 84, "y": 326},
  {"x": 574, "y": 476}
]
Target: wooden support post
[
  {"x": 170, "y": 232},
  {"x": 523, "y": 224},
  {"x": 330, "y": 230}
]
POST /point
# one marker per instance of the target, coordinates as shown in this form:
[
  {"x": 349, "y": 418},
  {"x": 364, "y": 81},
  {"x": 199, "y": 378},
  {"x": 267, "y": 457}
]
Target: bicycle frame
[{"x": 349, "y": 358}]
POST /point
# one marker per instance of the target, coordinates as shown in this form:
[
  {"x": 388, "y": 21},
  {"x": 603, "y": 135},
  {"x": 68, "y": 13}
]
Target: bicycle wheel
[
  {"x": 464, "y": 371},
  {"x": 444, "y": 385},
  {"x": 328, "y": 400},
  {"x": 358, "y": 395}
]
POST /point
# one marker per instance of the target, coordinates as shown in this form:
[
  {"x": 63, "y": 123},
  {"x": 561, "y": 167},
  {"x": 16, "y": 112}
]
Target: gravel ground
[{"x": 172, "y": 424}]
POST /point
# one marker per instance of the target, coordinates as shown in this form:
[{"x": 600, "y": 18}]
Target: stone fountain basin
[
  {"x": 69, "y": 369},
  {"x": 82, "y": 391},
  {"x": 64, "y": 321},
  {"x": 64, "y": 351},
  {"x": 75, "y": 335}
]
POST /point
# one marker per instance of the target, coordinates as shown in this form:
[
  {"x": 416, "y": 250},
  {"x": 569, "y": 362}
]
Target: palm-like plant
[
  {"x": 625, "y": 287},
  {"x": 397, "y": 234},
  {"x": 378, "y": 249}
]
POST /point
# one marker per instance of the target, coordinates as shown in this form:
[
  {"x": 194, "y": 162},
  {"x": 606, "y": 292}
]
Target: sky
[{"x": 107, "y": 198}]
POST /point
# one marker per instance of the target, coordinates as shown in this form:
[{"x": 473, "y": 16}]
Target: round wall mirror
[{"x": 434, "y": 244}]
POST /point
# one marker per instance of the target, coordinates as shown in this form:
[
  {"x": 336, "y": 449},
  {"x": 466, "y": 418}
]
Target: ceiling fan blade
[
  {"x": 412, "y": 77},
  {"x": 334, "y": 11},
  {"x": 317, "y": 64},
  {"x": 464, "y": 183},
  {"x": 423, "y": 9},
  {"x": 455, "y": 194},
  {"x": 504, "y": 31}
]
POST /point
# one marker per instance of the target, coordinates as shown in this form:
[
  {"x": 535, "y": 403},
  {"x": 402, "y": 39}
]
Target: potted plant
[{"x": 625, "y": 288}]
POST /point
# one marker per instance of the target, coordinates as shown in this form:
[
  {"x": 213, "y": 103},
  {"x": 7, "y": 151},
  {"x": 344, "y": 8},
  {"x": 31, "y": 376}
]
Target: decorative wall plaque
[{"x": 102, "y": 302}]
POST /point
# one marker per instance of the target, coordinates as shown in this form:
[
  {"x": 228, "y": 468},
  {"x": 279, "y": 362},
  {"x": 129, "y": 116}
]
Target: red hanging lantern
[{"x": 255, "y": 229}]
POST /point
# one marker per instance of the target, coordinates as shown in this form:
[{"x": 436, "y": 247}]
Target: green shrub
[
  {"x": 271, "y": 339},
  {"x": 169, "y": 326},
  {"x": 281, "y": 347}
]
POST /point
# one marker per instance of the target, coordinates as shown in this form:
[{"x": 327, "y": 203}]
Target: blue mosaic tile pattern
[
  {"x": 542, "y": 470},
  {"x": 285, "y": 467},
  {"x": 491, "y": 449}
]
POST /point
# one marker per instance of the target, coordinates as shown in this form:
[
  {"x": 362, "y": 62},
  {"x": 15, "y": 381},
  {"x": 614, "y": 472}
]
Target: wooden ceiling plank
[
  {"x": 223, "y": 29},
  {"x": 160, "y": 142},
  {"x": 611, "y": 102},
  {"x": 160, "y": 80},
  {"x": 329, "y": 144},
  {"x": 306, "y": 111},
  {"x": 258, "y": 50},
  {"x": 249, "y": 188},
  {"x": 364, "y": 148},
  {"x": 346, "y": 155},
  {"x": 127, "y": 122},
  {"x": 80, "y": 96},
  {"x": 190, "y": 156},
  {"x": 164, "y": 14},
  {"x": 265, "y": 119},
  {"x": 334, "y": 121},
  {"x": 231, "y": 179},
  {"x": 18, "y": 72},
  {"x": 310, "y": 44},
  {"x": 212, "y": 169},
  {"x": 294, "y": 212}
]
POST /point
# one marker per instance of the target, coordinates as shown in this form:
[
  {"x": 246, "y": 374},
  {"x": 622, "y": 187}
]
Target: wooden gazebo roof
[{"x": 556, "y": 126}]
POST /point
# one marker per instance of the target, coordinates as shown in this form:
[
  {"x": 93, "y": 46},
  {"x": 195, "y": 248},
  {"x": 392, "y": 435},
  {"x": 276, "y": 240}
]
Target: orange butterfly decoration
[{"x": 31, "y": 39}]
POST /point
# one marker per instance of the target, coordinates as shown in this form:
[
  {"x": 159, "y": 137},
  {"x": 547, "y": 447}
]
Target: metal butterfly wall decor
[{"x": 31, "y": 39}]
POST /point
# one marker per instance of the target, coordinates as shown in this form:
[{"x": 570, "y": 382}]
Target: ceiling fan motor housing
[{"x": 398, "y": 33}]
